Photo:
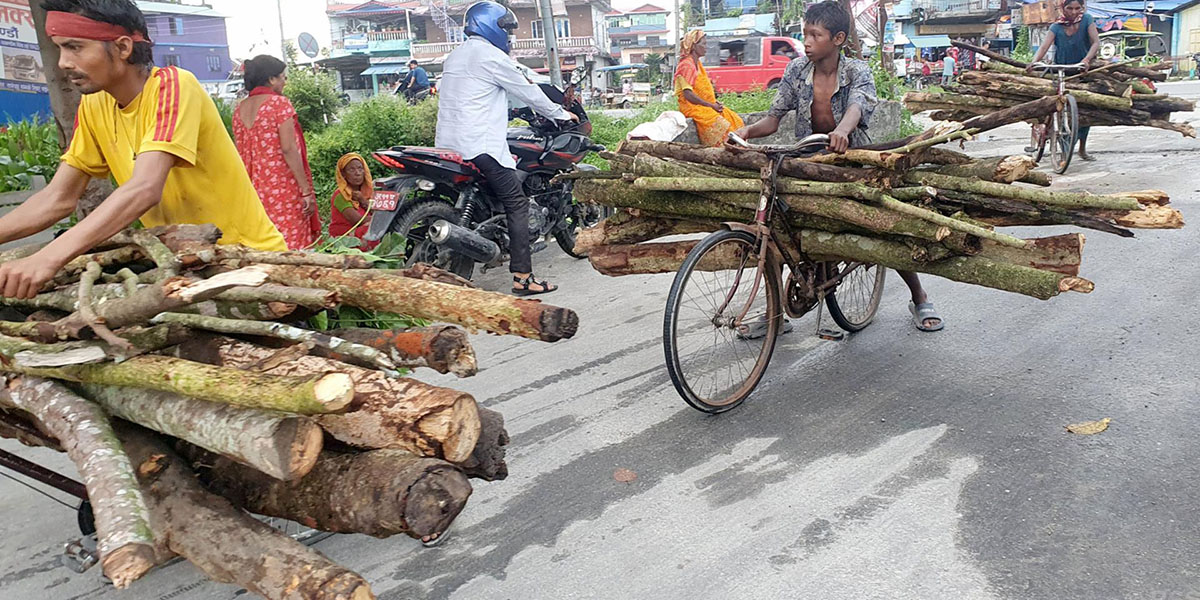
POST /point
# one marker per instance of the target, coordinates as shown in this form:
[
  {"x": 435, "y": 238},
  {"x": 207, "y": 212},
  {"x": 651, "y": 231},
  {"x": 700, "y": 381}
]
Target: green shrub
[
  {"x": 1024, "y": 49},
  {"x": 314, "y": 95},
  {"x": 27, "y": 148},
  {"x": 225, "y": 109}
]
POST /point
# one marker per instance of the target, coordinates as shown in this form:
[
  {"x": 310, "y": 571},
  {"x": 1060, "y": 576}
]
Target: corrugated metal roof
[{"x": 177, "y": 9}]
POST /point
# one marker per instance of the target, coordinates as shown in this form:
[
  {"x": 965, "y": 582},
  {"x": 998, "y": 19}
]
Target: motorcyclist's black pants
[{"x": 507, "y": 188}]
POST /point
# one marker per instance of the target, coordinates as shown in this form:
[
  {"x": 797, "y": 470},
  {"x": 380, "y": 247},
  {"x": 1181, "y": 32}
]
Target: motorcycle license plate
[{"x": 385, "y": 200}]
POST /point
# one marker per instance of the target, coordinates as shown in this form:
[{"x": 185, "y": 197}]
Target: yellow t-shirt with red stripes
[{"x": 173, "y": 114}]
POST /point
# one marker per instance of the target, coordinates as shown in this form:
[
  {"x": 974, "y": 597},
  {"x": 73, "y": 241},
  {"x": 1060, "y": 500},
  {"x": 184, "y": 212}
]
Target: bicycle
[
  {"x": 729, "y": 292},
  {"x": 1064, "y": 122}
]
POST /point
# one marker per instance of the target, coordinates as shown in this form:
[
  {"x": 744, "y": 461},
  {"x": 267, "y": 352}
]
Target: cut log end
[
  {"x": 1076, "y": 284},
  {"x": 334, "y": 390},
  {"x": 558, "y": 324},
  {"x": 128, "y": 563},
  {"x": 433, "y": 502},
  {"x": 301, "y": 454},
  {"x": 457, "y": 427}
]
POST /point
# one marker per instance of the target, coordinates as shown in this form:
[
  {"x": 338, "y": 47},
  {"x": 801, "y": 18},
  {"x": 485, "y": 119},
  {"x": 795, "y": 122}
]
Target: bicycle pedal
[
  {"x": 80, "y": 555},
  {"x": 833, "y": 335}
]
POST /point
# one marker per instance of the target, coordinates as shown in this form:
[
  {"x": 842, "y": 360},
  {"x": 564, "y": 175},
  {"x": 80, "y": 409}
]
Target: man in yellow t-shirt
[{"x": 154, "y": 130}]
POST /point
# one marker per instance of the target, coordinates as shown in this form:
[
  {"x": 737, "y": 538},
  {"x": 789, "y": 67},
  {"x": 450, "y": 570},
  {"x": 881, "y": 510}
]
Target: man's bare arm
[
  {"x": 127, "y": 204},
  {"x": 47, "y": 206},
  {"x": 839, "y": 138}
]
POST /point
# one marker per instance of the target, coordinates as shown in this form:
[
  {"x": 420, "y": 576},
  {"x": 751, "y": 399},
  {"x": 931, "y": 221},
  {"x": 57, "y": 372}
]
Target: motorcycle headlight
[{"x": 425, "y": 185}]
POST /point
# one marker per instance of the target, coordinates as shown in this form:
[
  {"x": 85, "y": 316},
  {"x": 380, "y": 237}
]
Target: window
[
  {"x": 175, "y": 24},
  {"x": 562, "y": 28},
  {"x": 455, "y": 34},
  {"x": 637, "y": 58},
  {"x": 214, "y": 63},
  {"x": 172, "y": 60},
  {"x": 653, "y": 40}
]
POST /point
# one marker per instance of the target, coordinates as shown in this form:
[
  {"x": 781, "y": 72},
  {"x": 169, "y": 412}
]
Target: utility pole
[
  {"x": 282, "y": 45},
  {"x": 551, "y": 40}
]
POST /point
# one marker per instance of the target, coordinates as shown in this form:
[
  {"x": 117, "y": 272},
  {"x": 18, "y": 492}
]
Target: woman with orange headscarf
[
  {"x": 697, "y": 98},
  {"x": 351, "y": 202}
]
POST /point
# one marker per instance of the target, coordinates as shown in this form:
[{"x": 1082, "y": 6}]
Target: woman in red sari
[
  {"x": 351, "y": 203},
  {"x": 272, "y": 147}
]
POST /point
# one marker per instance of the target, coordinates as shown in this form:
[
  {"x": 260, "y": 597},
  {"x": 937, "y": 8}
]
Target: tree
[
  {"x": 314, "y": 95},
  {"x": 1023, "y": 50}
]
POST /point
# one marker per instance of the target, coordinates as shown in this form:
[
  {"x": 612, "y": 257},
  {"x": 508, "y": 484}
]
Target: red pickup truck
[{"x": 749, "y": 63}]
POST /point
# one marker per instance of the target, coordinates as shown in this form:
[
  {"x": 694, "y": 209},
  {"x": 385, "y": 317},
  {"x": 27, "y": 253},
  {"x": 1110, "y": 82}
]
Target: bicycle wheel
[
  {"x": 1066, "y": 132},
  {"x": 721, "y": 321},
  {"x": 854, "y": 301}
]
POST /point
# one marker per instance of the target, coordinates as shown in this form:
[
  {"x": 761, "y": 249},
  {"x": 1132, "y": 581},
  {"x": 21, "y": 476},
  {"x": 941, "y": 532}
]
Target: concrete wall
[
  {"x": 202, "y": 37},
  {"x": 884, "y": 125}
]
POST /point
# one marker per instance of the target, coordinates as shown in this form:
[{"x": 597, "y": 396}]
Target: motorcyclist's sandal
[{"x": 523, "y": 283}]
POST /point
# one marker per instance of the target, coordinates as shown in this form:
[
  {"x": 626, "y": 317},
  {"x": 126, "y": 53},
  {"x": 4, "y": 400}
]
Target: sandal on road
[
  {"x": 522, "y": 286},
  {"x": 925, "y": 312},
  {"x": 758, "y": 329}
]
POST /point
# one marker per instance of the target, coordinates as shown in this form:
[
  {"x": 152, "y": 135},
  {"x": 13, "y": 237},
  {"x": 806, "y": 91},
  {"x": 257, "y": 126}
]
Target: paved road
[{"x": 894, "y": 464}]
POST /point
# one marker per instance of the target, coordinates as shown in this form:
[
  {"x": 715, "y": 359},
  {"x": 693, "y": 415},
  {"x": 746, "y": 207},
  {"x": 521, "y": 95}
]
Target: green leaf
[{"x": 319, "y": 321}]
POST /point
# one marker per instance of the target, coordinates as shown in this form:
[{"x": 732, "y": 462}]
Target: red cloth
[
  {"x": 338, "y": 225},
  {"x": 65, "y": 24},
  {"x": 262, "y": 152}
]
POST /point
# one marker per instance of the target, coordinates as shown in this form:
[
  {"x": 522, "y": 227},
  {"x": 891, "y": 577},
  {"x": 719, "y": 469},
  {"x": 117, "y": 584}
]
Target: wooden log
[
  {"x": 487, "y": 459},
  {"x": 306, "y": 297},
  {"x": 1002, "y": 169},
  {"x": 251, "y": 311},
  {"x": 323, "y": 393},
  {"x": 386, "y": 412},
  {"x": 1035, "y": 89},
  {"x": 753, "y": 161},
  {"x": 1148, "y": 217},
  {"x": 624, "y": 228},
  {"x": 1001, "y": 212},
  {"x": 378, "y": 493},
  {"x": 654, "y": 257},
  {"x": 967, "y": 269},
  {"x": 1034, "y": 110},
  {"x": 1060, "y": 253},
  {"x": 178, "y": 238},
  {"x": 1048, "y": 87},
  {"x": 428, "y": 272},
  {"x": 1162, "y": 103},
  {"x": 442, "y": 348},
  {"x": 1043, "y": 197},
  {"x": 71, "y": 271},
  {"x": 16, "y": 424},
  {"x": 469, "y": 308},
  {"x": 354, "y": 353},
  {"x": 241, "y": 256},
  {"x": 224, "y": 542},
  {"x": 282, "y": 446},
  {"x": 125, "y": 539}
]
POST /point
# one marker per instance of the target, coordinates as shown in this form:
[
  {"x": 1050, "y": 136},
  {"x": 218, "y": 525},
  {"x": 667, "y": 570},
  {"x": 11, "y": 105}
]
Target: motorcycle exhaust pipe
[{"x": 464, "y": 241}]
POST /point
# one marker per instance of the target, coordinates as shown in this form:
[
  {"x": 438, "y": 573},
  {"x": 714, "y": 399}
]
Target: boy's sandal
[{"x": 523, "y": 283}]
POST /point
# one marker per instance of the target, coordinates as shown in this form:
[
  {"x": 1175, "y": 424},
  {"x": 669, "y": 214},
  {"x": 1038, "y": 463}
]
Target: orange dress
[
  {"x": 262, "y": 153},
  {"x": 711, "y": 126}
]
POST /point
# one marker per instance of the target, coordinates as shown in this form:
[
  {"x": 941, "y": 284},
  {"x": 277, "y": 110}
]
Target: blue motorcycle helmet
[{"x": 492, "y": 22}]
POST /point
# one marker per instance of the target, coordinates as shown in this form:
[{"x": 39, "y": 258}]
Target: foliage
[
  {"x": 27, "y": 148},
  {"x": 748, "y": 102},
  {"x": 888, "y": 86},
  {"x": 653, "y": 72},
  {"x": 226, "y": 111},
  {"x": 388, "y": 254},
  {"x": 314, "y": 95},
  {"x": 1023, "y": 51},
  {"x": 290, "y": 52},
  {"x": 381, "y": 122}
]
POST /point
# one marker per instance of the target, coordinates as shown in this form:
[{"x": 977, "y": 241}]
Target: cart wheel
[{"x": 87, "y": 520}]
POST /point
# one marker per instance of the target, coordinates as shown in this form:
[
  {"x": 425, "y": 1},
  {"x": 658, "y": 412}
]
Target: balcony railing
[
  {"x": 378, "y": 36},
  {"x": 435, "y": 50}
]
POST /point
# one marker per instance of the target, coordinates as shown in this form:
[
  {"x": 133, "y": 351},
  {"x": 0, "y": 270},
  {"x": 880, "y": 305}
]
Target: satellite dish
[{"x": 308, "y": 45}]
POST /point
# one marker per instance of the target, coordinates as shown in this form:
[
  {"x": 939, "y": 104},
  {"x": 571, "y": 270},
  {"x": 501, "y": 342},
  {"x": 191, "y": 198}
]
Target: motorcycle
[{"x": 447, "y": 213}]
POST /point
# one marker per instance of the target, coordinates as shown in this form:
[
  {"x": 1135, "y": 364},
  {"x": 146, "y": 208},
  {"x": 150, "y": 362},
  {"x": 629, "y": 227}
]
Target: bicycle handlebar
[
  {"x": 812, "y": 143},
  {"x": 1075, "y": 68}
]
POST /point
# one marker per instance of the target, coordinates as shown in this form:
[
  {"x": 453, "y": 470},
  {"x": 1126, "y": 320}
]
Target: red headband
[{"x": 65, "y": 24}]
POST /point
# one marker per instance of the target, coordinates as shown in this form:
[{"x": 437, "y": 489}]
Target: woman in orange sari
[
  {"x": 351, "y": 203},
  {"x": 697, "y": 98}
]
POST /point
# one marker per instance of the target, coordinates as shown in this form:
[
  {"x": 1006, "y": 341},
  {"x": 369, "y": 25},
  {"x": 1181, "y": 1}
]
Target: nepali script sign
[{"x": 22, "y": 69}]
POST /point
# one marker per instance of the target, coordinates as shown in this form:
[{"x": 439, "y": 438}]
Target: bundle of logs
[
  {"x": 916, "y": 207},
  {"x": 179, "y": 377},
  {"x": 1108, "y": 94}
]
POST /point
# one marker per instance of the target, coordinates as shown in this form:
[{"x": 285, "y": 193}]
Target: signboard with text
[{"x": 21, "y": 67}]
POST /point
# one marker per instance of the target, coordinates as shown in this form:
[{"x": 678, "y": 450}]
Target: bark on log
[
  {"x": 126, "y": 542},
  {"x": 442, "y": 348},
  {"x": 179, "y": 239},
  {"x": 624, "y": 228},
  {"x": 1045, "y": 197},
  {"x": 225, "y": 543},
  {"x": 324, "y": 393},
  {"x": 1003, "y": 169},
  {"x": 241, "y": 256},
  {"x": 1000, "y": 212},
  {"x": 487, "y": 460},
  {"x": 1048, "y": 87},
  {"x": 306, "y": 297},
  {"x": 752, "y": 161},
  {"x": 470, "y": 308},
  {"x": 985, "y": 84},
  {"x": 71, "y": 271},
  {"x": 967, "y": 269},
  {"x": 428, "y": 272},
  {"x": 386, "y": 412},
  {"x": 654, "y": 257},
  {"x": 1028, "y": 111},
  {"x": 282, "y": 446},
  {"x": 378, "y": 493}
]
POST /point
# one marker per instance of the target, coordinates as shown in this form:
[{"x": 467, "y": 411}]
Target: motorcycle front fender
[{"x": 381, "y": 220}]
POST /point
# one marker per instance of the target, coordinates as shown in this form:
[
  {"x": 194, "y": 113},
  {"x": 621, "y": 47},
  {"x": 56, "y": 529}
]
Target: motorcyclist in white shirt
[{"x": 473, "y": 98}]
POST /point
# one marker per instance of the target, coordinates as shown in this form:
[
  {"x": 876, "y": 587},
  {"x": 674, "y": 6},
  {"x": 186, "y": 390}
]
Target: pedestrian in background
[
  {"x": 271, "y": 144},
  {"x": 948, "y": 64}
]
